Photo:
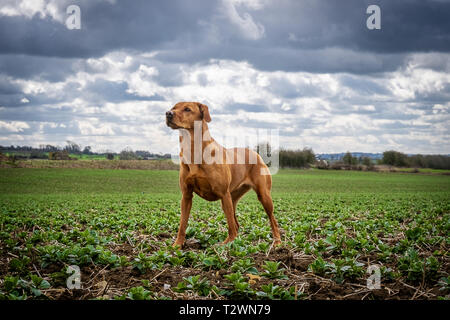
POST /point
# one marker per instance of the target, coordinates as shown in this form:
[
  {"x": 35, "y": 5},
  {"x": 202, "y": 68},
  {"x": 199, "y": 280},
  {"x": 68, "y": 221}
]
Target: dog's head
[{"x": 183, "y": 115}]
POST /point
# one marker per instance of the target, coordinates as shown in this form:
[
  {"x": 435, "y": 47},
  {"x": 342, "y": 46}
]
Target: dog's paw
[
  {"x": 228, "y": 240},
  {"x": 276, "y": 243},
  {"x": 178, "y": 244}
]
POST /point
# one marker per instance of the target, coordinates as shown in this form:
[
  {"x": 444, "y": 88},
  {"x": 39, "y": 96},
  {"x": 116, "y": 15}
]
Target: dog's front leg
[
  {"x": 228, "y": 209},
  {"x": 186, "y": 204}
]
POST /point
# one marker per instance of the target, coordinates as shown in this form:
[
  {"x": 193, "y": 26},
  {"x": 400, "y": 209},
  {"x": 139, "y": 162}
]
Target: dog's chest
[{"x": 201, "y": 186}]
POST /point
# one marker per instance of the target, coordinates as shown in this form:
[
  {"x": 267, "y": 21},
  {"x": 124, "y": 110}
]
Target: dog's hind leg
[
  {"x": 236, "y": 195},
  {"x": 262, "y": 189}
]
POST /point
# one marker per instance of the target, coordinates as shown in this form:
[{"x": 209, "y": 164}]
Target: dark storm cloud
[
  {"x": 314, "y": 36},
  {"x": 32, "y": 114},
  {"x": 10, "y": 93},
  {"x": 142, "y": 25},
  {"x": 10, "y": 100},
  {"x": 408, "y": 25},
  {"x": 36, "y": 67},
  {"x": 8, "y": 88},
  {"x": 331, "y": 36},
  {"x": 68, "y": 93},
  {"x": 62, "y": 115}
]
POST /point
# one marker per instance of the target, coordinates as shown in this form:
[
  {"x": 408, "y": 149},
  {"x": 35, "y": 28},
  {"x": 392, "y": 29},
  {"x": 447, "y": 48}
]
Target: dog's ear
[{"x": 204, "y": 111}]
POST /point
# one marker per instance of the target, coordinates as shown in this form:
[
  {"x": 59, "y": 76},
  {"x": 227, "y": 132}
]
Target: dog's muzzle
[{"x": 169, "y": 118}]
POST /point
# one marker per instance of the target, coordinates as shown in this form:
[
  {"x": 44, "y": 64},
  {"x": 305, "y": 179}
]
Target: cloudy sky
[{"x": 309, "y": 68}]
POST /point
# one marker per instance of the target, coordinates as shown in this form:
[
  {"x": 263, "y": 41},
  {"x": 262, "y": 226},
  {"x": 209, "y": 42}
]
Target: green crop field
[{"x": 117, "y": 226}]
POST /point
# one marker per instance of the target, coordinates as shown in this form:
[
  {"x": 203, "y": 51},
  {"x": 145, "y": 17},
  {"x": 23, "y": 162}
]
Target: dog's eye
[{"x": 187, "y": 109}]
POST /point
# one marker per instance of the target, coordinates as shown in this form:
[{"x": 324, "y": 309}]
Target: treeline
[
  {"x": 129, "y": 154},
  {"x": 348, "y": 162},
  {"x": 390, "y": 158},
  {"x": 300, "y": 158},
  {"x": 306, "y": 158},
  {"x": 296, "y": 158},
  {"x": 399, "y": 159},
  {"x": 52, "y": 152},
  {"x": 41, "y": 152}
]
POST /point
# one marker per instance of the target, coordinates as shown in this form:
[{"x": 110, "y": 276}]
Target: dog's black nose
[{"x": 169, "y": 114}]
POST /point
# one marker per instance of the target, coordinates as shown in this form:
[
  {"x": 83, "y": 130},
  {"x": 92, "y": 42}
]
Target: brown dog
[{"x": 218, "y": 175}]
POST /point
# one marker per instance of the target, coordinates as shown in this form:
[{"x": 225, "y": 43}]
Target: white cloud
[
  {"x": 321, "y": 111},
  {"x": 94, "y": 127},
  {"x": 13, "y": 126},
  {"x": 364, "y": 108},
  {"x": 417, "y": 81},
  {"x": 285, "y": 107},
  {"x": 30, "y": 8},
  {"x": 250, "y": 29},
  {"x": 440, "y": 109}
]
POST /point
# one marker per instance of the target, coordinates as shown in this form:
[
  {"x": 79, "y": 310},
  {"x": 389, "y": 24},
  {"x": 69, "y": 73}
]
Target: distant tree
[
  {"x": 394, "y": 158},
  {"x": 417, "y": 161},
  {"x": 127, "y": 154},
  {"x": 389, "y": 158},
  {"x": 35, "y": 154},
  {"x": 142, "y": 154},
  {"x": 348, "y": 159},
  {"x": 50, "y": 148},
  {"x": 87, "y": 150},
  {"x": 435, "y": 161},
  {"x": 366, "y": 161},
  {"x": 60, "y": 155},
  {"x": 72, "y": 147},
  {"x": 296, "y": 158},
  {"x": 110, "y": 156},
  {"x": 309, "y": 155}
]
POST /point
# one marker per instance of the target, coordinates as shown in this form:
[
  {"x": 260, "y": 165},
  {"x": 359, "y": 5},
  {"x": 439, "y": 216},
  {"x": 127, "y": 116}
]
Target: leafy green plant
[
  {"x": 414, "y": 233},
  {"x": 215, "y": 260},
  {"x": 238, "y": 287},
  {"x": 272, "y": 270},
  {"x": 415, "y": 268},
  {"x": 271, "y": 291},
  {"x": 318, "y": 266},
  {"x": 19, "y": 265},
  {"x": 15, "y": 288},
  {"x": 178, "y": 259},
  {"x": 107, "y": 257},
  {"x": 194, "y": 284},
  {"x": 444, "y": 283},
  {"x": 143, "y": 263},
  {"x": 345, "y": 268},
  {"x": 244, "y": 266},
  {"x": 139, "y": 293}
]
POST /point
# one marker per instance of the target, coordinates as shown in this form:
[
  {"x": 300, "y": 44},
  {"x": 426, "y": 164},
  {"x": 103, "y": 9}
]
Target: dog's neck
[{"x": 190, "y": 141}]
